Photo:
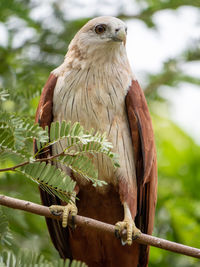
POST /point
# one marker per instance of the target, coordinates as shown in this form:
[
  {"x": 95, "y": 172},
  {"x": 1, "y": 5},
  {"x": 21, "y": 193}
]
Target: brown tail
[{"x": 58, "y": 234}]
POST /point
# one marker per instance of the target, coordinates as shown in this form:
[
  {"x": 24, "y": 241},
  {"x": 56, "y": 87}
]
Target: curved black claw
[
  {"x": 117, "y": 234},
  {"x": 72, "y": 223},
  {"x": 135, "y": 236}
]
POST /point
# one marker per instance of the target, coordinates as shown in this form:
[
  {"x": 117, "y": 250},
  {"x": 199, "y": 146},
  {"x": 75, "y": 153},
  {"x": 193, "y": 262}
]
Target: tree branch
[{"x": 99, "y": 226}]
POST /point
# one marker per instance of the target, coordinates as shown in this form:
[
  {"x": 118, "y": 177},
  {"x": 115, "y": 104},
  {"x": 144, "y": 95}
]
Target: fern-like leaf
[
  {"x": 5, "y": 233},
  {"x": 50, "y": 179},
  {"x": 78, "y": 141},
  {"x": 17, "y": 132},
  {"x": 29, "y": 259},
  {"x": 72, "y": 134},
  {"x": 79, "y": 148},
  {"x": 3, "y": 94},
  {"x": 83, "y": 166},
  {"x": 6, "y": 138}
]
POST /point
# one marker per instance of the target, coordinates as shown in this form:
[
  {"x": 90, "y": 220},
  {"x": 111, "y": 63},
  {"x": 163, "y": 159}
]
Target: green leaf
[
  {"x": 16, "y": 133},
  {"x": 3, "y": 94},
  {"x": 82, "y": 165},
  {"x": 80, "y": 148},
  {"x": 5, "y": 233},
  {"x": 50, "y": 178},
  {"x": 29, "y": 259},
  {"x": 78, "y": 155},
  {"x": 80, "y": 141}
]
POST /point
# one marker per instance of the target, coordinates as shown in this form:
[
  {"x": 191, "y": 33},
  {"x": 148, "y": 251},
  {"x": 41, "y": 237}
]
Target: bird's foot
[
  {"x": 65, "y": 211},
  {"x": 131, "y": 230}
]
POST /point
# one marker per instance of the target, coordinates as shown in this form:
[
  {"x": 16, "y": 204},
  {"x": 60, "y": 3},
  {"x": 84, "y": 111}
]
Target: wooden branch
[{"x": 99, "y": 226}]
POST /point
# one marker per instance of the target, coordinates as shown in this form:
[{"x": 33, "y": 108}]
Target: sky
[{"x": 147, "y": 48}]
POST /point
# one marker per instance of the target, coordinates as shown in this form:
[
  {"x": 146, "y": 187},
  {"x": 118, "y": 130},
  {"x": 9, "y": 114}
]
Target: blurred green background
[{"x": 34, "y": 37}]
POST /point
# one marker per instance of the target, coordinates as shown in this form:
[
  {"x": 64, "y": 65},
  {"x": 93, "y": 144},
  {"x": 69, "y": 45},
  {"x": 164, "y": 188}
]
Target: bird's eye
[{"x": 99, "y": 29}]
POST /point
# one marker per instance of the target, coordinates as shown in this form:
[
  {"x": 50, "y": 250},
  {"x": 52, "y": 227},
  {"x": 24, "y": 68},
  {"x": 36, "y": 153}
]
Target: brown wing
[
  {"x": 145, "y": 161},
  {"x": 44, "y": 116}
]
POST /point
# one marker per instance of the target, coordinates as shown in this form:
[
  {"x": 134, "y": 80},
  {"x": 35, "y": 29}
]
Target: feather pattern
[{"x": 76, "y": 90}]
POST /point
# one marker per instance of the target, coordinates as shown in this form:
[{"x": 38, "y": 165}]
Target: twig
[
  {"x": 99, "y": 226},
  {"x": 37, "y": 160}
]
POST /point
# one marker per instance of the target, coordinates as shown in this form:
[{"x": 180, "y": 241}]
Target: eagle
[{"x": 96, "y": 87}]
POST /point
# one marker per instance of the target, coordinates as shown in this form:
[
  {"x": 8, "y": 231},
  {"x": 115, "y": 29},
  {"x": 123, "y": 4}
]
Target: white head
[
  {"x": 103, "y": 30},
  {"x": 99, "y": 39}
]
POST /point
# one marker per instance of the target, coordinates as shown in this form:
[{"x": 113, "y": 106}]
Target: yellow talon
[
  {"x": 65, "y": 210},
  {"x": 132, "y": 231},
  {"x": 128, "y": 224}
]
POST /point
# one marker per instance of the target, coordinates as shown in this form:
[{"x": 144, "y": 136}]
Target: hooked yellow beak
[{"x": 120, "y": 35}]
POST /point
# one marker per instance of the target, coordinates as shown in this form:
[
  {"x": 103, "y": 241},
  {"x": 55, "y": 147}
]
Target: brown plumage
[{"x": 95, "y": 86}]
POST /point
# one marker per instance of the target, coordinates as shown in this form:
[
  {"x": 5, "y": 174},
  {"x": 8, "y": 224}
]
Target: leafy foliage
[
  {"x": 50, "y": 179},
  {"x": 80, "y": 141},
  {"x": 76, "y": 144},
  {"x": 29, "y": 259},
  {"x": 25, "y": 258},
  {"x": 5, "y": 233},
  {"x": 83, "y": 166},
  {"x": 177, "y": 215},
  {"x": 3, "y": 95},
  {"x": 17, "y": 133}
]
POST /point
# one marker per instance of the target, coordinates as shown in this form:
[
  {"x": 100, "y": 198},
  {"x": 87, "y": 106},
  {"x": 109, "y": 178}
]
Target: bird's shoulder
[{"x": 44, "y": 110}]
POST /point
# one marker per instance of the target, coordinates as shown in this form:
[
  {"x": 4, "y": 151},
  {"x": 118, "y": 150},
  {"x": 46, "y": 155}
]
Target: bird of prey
[{"x": 95, "y": 86}]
